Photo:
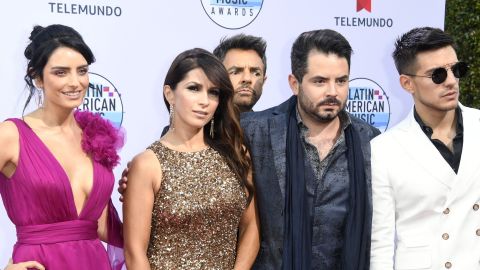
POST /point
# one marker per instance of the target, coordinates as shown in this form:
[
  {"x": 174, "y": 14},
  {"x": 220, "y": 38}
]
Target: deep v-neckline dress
[{"x": 38, "y": 199}]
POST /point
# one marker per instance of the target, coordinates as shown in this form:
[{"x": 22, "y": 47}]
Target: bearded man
[{"x": 311, "y": 162}]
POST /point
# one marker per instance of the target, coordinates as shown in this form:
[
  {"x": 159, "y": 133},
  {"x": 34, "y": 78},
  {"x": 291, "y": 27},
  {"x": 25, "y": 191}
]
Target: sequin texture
[{"x": 196, "y": 212}]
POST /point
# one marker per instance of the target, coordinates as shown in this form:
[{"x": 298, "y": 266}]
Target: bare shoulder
[
  {"x": 8, "y": 134},
  {"x": 144, "y": 160},
  {"x": 145, "y": 166},
  {"x": 9, "y": 143},
  {"x": 8, "y": 129}
]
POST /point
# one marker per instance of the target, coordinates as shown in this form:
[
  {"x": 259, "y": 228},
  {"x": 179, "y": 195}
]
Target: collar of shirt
[
  {"x": 429, "y": 131},
  {"x": 311, "y": 152},
  {"x": 453, "y": 156}
]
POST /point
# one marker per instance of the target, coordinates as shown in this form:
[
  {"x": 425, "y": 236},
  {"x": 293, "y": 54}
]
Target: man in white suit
[{"x": 426, "y": 170}]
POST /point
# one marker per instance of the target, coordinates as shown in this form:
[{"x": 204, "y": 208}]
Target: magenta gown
[{"x": 38, "y": 199}]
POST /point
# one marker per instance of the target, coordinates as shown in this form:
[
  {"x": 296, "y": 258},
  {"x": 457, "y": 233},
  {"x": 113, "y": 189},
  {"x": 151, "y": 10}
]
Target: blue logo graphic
[
  {"x": 103, "y": 97},
  {"x": 368, "y": 101}
]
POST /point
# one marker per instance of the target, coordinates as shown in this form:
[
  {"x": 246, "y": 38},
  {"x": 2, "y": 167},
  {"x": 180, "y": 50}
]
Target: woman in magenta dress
[{"x": 56, "y": 163}]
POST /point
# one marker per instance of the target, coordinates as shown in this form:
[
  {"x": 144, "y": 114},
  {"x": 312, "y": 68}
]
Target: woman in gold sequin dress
[{"x": 190, "y": 202}]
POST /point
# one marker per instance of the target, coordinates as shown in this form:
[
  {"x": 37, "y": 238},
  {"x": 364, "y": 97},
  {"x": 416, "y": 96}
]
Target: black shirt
[{"x": 452, "y": 158}]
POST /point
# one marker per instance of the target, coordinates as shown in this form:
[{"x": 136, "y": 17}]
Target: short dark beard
[{"x": 309, "y": 109}]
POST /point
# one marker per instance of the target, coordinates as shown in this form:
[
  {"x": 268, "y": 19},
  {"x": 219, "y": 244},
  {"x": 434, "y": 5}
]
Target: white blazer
[{"x": 424, "y": 215}]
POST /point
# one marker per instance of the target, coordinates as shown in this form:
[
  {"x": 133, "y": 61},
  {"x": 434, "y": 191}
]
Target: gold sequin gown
[{"x": 196, "y": 212}]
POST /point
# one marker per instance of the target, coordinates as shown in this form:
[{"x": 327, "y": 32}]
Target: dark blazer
[{"x": 265, "y": 133}]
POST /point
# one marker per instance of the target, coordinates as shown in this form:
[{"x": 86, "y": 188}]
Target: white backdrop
[{"x": 135, "y": 42}]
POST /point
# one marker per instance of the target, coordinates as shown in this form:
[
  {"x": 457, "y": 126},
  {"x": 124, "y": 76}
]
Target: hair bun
[{"x": 36, "y": 29}]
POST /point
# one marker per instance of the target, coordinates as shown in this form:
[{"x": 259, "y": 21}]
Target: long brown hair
[{"x": 228, "y": 135}]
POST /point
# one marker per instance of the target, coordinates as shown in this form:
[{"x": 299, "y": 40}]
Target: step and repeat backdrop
[{"x": 134, "y": 43}]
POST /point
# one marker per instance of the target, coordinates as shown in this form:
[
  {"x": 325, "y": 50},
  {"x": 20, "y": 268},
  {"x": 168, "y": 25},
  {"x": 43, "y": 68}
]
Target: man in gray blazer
[{"x": 311, "y": 163}]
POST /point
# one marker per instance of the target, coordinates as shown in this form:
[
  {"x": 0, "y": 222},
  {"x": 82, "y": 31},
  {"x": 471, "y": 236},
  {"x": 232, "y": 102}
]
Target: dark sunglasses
[{"x": 439, "y": 75}]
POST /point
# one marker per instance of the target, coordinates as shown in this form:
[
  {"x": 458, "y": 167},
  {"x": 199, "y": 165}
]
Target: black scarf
[
  {"x": 358, "y": 227},
  {"x": 297, "y": 245}
]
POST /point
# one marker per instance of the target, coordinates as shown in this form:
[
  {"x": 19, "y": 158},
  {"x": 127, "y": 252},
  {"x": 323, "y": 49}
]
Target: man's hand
[{"x": 122, "y": 183}]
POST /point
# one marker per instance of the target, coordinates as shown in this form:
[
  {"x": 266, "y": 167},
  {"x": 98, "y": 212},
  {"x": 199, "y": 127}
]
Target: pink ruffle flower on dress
[{"x": 100, "y": 139}]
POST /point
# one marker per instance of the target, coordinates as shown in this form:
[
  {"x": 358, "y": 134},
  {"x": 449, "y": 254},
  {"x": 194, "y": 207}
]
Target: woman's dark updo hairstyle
[{"x": 44, "y": 41}]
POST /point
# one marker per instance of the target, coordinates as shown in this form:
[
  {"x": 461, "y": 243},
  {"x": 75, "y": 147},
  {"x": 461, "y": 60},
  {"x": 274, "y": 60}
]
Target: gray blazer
[{"x": 265, "y": 133}]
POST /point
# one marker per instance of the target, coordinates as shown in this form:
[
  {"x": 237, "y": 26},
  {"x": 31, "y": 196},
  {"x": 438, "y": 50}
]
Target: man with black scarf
[{"x": 311, "y": 163}]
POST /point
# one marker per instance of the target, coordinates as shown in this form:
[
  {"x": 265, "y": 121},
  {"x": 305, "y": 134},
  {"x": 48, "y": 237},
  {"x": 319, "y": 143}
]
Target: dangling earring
[
  {"x": 172, "y": 116},
  {"x": 40, "y": 98},
  {"x": 212, "y": 129}
]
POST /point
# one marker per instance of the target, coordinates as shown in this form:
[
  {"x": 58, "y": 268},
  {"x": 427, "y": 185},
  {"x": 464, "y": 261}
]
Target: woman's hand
[{"x": 24, "y": 265}]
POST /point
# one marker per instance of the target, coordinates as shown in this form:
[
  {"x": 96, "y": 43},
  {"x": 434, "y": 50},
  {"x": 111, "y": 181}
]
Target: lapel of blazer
[
  {"x": 419, "y": 148},
  {"x": 277, "y": 125},
  {"x": 469, "y": 163}
]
